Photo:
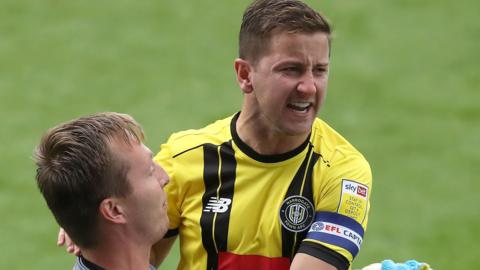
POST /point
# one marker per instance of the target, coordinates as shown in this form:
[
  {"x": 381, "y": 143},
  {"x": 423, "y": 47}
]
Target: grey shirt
[{"x": 84, "y": 264}]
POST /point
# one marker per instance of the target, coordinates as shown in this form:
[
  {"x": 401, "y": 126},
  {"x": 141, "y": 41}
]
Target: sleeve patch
[
  {"x": 338, "y": 230},
  {"x": 353, "y": 200}
]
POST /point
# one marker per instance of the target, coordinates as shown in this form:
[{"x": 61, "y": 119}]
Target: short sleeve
[{"x": 342, "y": 201}]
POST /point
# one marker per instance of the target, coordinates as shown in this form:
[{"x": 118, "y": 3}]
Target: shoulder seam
[{"x": 189, "y": 149}]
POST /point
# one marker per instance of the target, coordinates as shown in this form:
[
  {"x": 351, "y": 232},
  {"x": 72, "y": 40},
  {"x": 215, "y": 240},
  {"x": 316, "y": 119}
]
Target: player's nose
[
  {"x": 162, "y": 175},
  {"x": 307, "y": 84}
]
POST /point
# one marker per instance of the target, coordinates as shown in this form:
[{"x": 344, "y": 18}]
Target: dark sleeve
[
  {"x": 170, "y": 233},
  {"x": 325, "y": 254}
]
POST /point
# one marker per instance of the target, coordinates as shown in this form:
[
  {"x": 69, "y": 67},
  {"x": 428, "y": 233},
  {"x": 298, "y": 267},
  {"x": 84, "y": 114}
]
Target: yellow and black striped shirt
[{"x": 236, "y": 209}]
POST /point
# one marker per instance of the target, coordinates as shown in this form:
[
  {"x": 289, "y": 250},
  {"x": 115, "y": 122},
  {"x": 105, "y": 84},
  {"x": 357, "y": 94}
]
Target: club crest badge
[{"x": 296, "y": 213}]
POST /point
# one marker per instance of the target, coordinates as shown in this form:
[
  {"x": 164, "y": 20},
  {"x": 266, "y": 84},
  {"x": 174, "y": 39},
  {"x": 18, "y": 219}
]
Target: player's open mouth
[{"x": 299, "y": 106}]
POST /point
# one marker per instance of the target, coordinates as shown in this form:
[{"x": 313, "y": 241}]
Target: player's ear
[
  {"x": 243, "y": 70},
  {"x": 111, "y": 210}
]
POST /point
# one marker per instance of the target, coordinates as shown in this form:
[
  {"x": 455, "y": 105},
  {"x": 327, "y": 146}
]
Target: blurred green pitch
[{"x": 404, "y": 89}]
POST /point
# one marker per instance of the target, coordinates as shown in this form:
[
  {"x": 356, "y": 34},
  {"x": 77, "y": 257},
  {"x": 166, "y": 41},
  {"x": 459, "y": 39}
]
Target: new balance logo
[{"x": 219, "y": 205}]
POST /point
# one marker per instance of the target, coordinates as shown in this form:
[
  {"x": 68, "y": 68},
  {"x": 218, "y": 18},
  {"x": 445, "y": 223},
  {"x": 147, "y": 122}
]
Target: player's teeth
[{"x": 300, "y": 106}]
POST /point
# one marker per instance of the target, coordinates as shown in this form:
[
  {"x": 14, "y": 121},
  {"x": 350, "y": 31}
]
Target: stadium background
[{"x": 404, "y": 89}]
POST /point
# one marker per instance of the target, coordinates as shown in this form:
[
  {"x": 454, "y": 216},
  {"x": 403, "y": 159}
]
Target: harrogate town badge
[{"x": 296, "y": 213}]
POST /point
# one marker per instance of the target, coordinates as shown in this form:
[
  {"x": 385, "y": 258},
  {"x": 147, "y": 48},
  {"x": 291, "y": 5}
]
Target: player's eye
[
  {"x": 291, "y": 70},
  {"x": 319, "y": 71}
]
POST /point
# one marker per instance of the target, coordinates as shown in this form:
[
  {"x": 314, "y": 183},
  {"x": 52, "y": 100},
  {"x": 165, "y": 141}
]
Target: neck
[
  {"x": 119, "y": 253},
  {"x": 264, "y": 140}
]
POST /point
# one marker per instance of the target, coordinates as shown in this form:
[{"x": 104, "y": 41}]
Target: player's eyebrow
[
  {"x": 298, "y": 63},
  {"x": 287, "y": 63}
]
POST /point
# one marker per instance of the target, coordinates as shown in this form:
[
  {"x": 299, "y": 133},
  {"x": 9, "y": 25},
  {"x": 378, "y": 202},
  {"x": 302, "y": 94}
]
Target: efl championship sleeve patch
[
  {"x": 338, "y": 230},
  {"x": 353, "y": 200}
]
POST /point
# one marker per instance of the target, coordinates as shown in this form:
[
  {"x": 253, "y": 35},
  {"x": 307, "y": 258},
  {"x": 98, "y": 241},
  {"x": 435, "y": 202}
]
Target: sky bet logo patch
[{"x": 353, "y": 200}]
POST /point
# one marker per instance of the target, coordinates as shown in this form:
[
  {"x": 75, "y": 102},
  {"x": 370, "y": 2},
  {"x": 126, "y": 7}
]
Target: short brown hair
[
  {"x": 76, "y": 170},
  {"x": 263, "y": 18}
]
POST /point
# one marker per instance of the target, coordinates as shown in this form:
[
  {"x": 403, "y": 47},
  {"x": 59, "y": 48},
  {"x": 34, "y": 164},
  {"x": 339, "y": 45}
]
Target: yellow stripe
[{"x": 218, "y": 196}]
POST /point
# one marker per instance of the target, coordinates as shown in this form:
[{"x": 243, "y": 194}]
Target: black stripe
[
  {"x": 210, "y": 176},
  {"x": 214, "y": 156},
  {"x": 189, "y": 149},
  {"x": 292, "y": 240},
  {"x": 325, "y": 254},
  {"x": 307, "y": 193},
  {"x": 228, "y": 173}
]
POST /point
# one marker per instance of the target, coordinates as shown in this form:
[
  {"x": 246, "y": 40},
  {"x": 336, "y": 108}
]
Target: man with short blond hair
[{"x": 103, "y": 188}]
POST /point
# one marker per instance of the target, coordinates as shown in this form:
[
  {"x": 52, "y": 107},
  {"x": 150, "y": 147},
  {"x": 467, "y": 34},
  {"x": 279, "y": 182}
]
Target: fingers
[
  {"x": 65, "y": 240},
  {"x": 69, "y": 244},
  {"x": 76, "y": 251},
  {"x": 61, "y": 237}
]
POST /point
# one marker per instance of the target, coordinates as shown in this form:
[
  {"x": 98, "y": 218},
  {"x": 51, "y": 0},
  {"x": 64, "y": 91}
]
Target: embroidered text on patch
[
  {"x": 354, "y": 200},
  {"x": 296, "y": 213}
]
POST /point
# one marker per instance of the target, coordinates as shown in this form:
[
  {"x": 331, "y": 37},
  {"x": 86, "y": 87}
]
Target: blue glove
[{"x": 408, "y": 265}]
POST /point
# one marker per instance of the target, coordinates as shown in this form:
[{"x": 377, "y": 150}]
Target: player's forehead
[{"x": 284, "y": 46}]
